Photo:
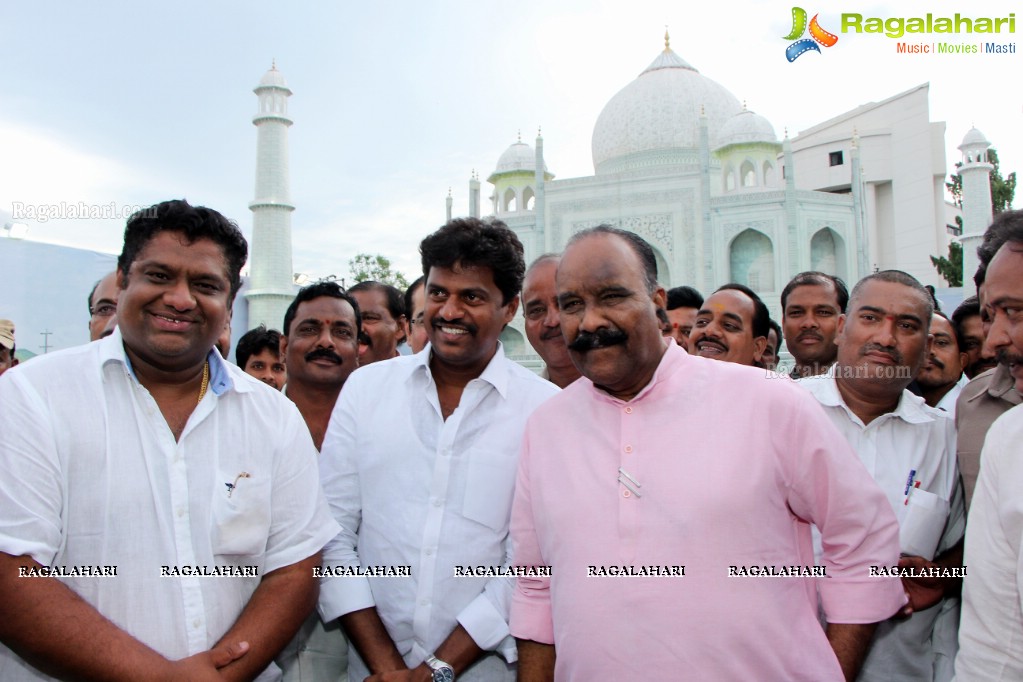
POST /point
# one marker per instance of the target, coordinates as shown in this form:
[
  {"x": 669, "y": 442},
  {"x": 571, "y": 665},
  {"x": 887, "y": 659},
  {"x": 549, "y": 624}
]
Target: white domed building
[{"x": 683, "y": 162}]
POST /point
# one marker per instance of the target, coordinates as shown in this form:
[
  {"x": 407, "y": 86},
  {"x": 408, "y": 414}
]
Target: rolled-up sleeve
[{"x": 830, "y": 487}]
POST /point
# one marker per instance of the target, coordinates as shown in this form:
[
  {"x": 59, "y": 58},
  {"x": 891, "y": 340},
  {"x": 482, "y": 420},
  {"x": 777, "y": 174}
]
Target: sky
[{"x": 129, "y": 103}]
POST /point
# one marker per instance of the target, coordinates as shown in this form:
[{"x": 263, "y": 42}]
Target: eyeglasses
[{"x": 104, "y": 310}]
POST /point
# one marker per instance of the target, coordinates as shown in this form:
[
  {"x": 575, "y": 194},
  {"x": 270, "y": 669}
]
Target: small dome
[
  {"x": 974, "y": 138},
  {"x": 658, "y": 112},
  {"x": 745, "y": 127},
  {"x": 517, "y": 158},
  {"x": 273, "y": 78}
]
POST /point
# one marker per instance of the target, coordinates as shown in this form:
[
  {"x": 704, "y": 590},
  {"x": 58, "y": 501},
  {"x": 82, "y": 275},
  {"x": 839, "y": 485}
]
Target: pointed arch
[
  {"x": 768, "y": 174},
  {"x": 827, "y": 252},
  {"x": 510, "y": 201},
  {"x": 748, "y": 174},
  {"x": 528, "y": 199},
  {"x": 751, "y": 260},
  {"x": 729, "y": 179}
]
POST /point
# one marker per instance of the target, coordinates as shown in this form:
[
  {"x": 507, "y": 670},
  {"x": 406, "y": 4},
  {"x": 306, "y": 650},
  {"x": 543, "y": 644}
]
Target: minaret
[
  {"x": 975, "y": 172},
  {"x": 474, "y": 195},
  {"x": 447, "y": 204},
  {"x": 271, "y": 284},
  {"x": 856, "y": 187}
]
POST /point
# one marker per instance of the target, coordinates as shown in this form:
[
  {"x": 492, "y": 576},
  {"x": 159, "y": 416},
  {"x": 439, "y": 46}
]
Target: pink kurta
[{"x": 731, "y": 465}]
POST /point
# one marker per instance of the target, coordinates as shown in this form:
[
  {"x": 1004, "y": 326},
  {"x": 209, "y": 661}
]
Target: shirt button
[
  {"x": 424, "y": 602},
  {"x": 626, "y": 493},
  {"x": 437, "y": 503},
  {"x": 181, "y": 512},
  {"x": 628, "y": 448},
  {"x": 196, "y": 623},
  {"x": 628, "y": 410},
  {"x": 429, "y": 551}
]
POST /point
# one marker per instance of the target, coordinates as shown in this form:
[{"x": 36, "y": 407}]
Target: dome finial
[
  {"x": 273, "y": 64},
  {"x": 520, "y": 135},
  {"x": 667, "y": 39},
  {"x": 539, "y": 131},
  {"x": 744, "y": 108}
]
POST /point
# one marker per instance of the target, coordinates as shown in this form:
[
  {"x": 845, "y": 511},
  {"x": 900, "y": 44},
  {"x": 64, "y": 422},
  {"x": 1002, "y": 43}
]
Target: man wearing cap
[{"x": 7, "y": 359}]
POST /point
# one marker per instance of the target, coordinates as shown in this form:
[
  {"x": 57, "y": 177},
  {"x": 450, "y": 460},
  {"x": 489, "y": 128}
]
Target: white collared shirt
[
  {"x": 411, "y": 489},
  {"x": 912, "y": 438},
  {"x": 92, "y": 476},
  {"x": 991, "y": 635},
  {"x": 948, "y": 401}
]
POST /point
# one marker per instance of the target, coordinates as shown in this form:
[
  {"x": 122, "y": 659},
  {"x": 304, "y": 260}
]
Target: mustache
[
  {"x": 890, "y": 351},
  {"x": 602, "y": 338},
  {"x": 937, "y": 363},
  {"x": 714, "y": 340},
  {"x": 1003, "y": 356},
  {"x": 439, "y": 322},
  {"x": 323, "y": 353},
  {"x": 550, "y": 333},
  {"x": 809, "y": 334}
]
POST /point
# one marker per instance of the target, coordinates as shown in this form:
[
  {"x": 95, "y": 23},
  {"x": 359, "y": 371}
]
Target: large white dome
[{"x": 658, "y": 112}]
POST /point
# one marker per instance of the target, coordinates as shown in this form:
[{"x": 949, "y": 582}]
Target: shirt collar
[
  {"x": 495, "y": 373},
  {"x": 673, "y": 359},
  {"x": 911, "y": 408},
  {"x": 111, "y": 349}
]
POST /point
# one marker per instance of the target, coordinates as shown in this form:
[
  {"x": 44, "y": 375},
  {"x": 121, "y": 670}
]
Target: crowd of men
[{"x": 376, "y": 492}]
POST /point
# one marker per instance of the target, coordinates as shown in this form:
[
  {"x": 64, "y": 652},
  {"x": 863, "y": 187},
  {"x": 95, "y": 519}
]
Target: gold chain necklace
[{"x": 205, "y": 381}]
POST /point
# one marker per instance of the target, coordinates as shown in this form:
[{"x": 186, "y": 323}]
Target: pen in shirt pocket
[
  {"x": 910, "y": 493},
  {"x": 909, "y": 481}
]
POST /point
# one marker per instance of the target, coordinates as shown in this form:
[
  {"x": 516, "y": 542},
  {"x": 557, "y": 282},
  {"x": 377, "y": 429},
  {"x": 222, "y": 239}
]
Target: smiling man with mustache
[
  {"x": 732, "y": 326},
  {"x": 543, "y": 321},
  {"x": 419, "y": 467},
  {"x": 909, "y": 449},
  {"x": 657, "y": 457}
]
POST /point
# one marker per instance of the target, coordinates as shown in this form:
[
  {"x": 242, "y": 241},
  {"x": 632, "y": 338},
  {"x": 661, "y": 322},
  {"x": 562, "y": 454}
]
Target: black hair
[
  {"x": 255, "y": 341},
  {"x": 684, "y": 297},
  {"x": 1006, "y": 227},
  {"x": 970, "y": 307},
  {"x": 408, "y": 296},
  {"x": 898, "y": 277},
  {"x": 395, "y": 300},
  {"x": 194, "y": 222},
  {"x": 643, "y": 250},
  {"x": 327, "y": 288},
  {"x": 815, "y": 278},
  {"x": 761, "y": 315},
  {"x": 478, "y": 243}
]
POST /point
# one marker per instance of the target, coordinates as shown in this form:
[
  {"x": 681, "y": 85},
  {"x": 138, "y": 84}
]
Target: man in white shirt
[
  {"x": 909, "y": 449},
  {"x": 145, "y": 458},
  {"x": 991, "y": 636},
  {"x": 419, "y": 468},
  {"x": 543, "y": 322}
]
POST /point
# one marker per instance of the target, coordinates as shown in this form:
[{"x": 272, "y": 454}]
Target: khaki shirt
[{"x": 982, "y": 401}]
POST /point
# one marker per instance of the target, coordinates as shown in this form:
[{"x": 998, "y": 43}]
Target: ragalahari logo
[{"x": 818, "y": 35}]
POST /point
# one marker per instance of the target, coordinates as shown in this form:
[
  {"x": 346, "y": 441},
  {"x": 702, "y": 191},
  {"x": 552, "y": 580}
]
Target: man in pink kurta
[{"x": 657, "y": 460}]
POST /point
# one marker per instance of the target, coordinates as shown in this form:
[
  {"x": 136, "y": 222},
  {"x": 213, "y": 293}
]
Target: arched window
[
  {"x": 768, "y": 174},
  {"x": 510, "y": 201},
  {"x": 528, "y": 200},
  {"x": 827, "y": 252},
  {"x": 751, "y": 260},
  {"x": 748, "y": 174}
]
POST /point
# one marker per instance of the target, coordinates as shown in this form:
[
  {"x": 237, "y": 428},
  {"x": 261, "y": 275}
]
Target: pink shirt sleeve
[
  {"x": 531, "y": 602},
  {"x": 831, "y": 488}
]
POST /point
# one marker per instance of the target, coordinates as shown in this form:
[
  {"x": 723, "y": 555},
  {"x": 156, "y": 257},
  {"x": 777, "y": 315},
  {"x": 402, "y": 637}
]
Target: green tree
[
  {"x": 375, "y": 267},
  {"x": 1003, "y": 190},
  {"x": 951, "y": 268}
]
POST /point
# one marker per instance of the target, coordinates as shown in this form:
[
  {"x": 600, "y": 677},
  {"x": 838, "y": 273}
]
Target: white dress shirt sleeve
[
  {"x": 340, "y": 479},
  {"x": 31, "y": 487},
  {"x": 301, "y": 524},
  {"x": 485, "y": 618}
]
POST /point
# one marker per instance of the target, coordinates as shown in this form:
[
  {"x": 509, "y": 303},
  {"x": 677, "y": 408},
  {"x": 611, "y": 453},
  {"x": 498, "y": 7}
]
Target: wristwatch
[{"x": 442, "y": 672}]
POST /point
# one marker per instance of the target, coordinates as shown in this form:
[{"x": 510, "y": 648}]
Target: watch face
[{"x": 444, "y": 675}]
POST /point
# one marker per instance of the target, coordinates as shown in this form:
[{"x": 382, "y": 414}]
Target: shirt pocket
[
  {"x": 489, "y": 487},
  {"x": 923, "y": 523},
  {"x": 240, "y": 514}
]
